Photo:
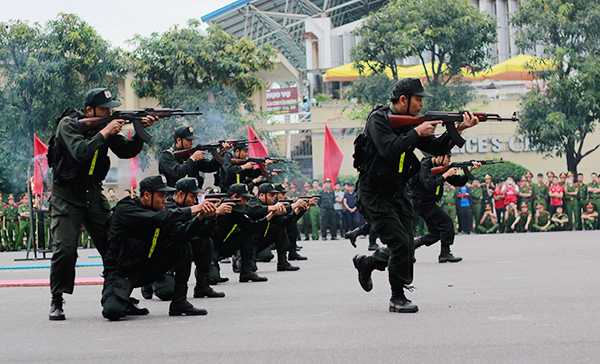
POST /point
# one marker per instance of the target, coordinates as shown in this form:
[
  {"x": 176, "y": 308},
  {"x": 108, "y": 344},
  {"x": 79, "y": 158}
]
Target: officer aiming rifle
[{"x": 465, "y": 166}]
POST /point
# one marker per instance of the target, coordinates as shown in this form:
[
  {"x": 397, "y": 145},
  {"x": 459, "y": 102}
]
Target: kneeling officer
[{"x": 146, "y": 240}]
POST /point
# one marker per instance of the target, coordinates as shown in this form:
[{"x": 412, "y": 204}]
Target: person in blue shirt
[{"x": 463, "y": 209}]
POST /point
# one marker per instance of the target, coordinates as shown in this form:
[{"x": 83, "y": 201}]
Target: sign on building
[
  {"x": 282, "y": 100},
  {"x": 494, "y": 144}
]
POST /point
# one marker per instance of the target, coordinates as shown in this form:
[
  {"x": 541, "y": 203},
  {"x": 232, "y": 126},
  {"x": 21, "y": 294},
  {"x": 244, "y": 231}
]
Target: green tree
[
  {"x": 500, "y": 172},
  {"x": 44, "y": 71},
  {"x": 213, "y": 71},
  {"x": 381, "y": 46},
  {"x": 558, "y": 118},
  {"x": 451, "y": 34},
  {"x": 373, "y": 89}
]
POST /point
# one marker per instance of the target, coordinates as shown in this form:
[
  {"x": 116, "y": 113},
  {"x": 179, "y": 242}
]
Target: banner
[
  {"x": 333, "y": 157},
  {"x": 282, "y": 100},
  {"x": 40, "y": 165}
]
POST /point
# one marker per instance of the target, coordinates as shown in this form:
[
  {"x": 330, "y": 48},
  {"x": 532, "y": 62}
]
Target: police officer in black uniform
[
  {"x": 231, "y": 173},
  {"x": 425, "y": 190},
  {"x": 145, "y": 241},
  {"x": 186, "y": 195},
  {"x": 275, "y": 231},
  {"x": 80, "y": 162},
  {"x": 385, "y": 160},
  {"x": 193, "y": 166},
  {"x": 234, "y": 231}
]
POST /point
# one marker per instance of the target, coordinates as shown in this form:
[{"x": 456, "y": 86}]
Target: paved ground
[{"x": 529, "y": 298}]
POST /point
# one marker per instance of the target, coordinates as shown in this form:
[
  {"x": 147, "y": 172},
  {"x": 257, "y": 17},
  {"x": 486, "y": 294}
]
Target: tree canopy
[
  {"x": 451, "y": 34},
  {"x": 46, "y": 69},
  {"x": 558, "y": 116},
  {"x": 214, "y": 71}
]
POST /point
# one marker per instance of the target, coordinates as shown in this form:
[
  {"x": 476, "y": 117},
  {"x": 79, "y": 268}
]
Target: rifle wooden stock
[
  {"x": 449, "y": 119},
  {"x": 135, "y": 117}
]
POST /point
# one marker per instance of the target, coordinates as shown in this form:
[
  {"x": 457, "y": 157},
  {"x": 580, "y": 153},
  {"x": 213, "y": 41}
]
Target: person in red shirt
[
  {"x": 510, "y": 190},
  {"x": 499, "y": 194},
  {"x": 556, "y": 193}
]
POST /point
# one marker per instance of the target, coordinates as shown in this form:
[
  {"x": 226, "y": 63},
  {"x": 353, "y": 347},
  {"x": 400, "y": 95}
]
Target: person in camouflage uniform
[{"x": 112, "y": 198}]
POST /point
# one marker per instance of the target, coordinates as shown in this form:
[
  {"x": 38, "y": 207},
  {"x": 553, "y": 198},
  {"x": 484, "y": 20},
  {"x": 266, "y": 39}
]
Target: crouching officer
[
  {"x": 234, "y": 231},
  {"x": 426, "y": 190},
  {"x": 275, "y": 231},
  {"x": 186, "y": 195},
  {"x": 145, "y": 240},
  {"x": 193, "y": 166}
]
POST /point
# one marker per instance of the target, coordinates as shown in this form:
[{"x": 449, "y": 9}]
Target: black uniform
[
  {"x": 386, "y": 161},
  {"x": 175, "y": 169},
  {"x": 274, "y": 232},
  {"x": 425, "y": 191},
  {"x": 145, "y": 244},
  {"x": 234, "y": 232},
  {"x": 232, "y": 173},
  {"x": 328, "y": 216}
]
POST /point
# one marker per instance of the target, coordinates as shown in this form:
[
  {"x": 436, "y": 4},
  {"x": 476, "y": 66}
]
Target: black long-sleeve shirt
[
  {"x": 231, "y": 173},
  {"x": 136, "y": 232},
  {"x": 390, "y": 160},
  {"x": 427, "y": 188},
  {"x": 175, "y": 169}
]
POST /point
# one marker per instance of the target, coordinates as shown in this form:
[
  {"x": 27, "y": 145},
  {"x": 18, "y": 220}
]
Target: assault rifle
[
  {"x": 449, "y": 119},
  {"x": 134, "y": 117},
  {"x": 213, "y": 148},
  {"x": 261, "y": 164},
  {"x": 231, "y": 200},
  {"x": 436, "y": 171},
  {"x": 215, "y": 195}
]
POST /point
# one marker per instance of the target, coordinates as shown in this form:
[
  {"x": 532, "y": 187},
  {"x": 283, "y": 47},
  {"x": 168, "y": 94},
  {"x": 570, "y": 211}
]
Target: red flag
[
  {"x": 257, "y": 150},
  {"x": 40, "y": 165},
  {"x": 134, "y": 168},
  {"x": 333, "y": 157}
]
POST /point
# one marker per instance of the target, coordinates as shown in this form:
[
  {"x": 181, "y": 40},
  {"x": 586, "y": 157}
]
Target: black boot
[
  {"x": 180, "y": 305},
  {"x": 284, "y": 265},
  {"x": 248, "y": 275},
  {"x": 399, "y": 302},
  {"x": 365, "y": 266},
  {"x": 202, "y": 288},
  {"x": 56, "y": 308},
  {"x": 295, "y": 256},
  {"x": 352, "y": 235},
  {"x": 179, "y": 308},
  {"x": 133, "y": 309},
  {"x": 147, "y": 292},
  {"x": 448, "y": 257}
]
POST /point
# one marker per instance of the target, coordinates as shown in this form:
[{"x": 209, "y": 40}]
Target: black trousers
[
  {"x": 239, "y": 240},
  {"x": 328, "y": 221},
  {"x": 274, "y": 235},
  {"x": 465, "y": 219},
  {"x": 439, "y": 225},
  {"x": 119, "y": 284}
]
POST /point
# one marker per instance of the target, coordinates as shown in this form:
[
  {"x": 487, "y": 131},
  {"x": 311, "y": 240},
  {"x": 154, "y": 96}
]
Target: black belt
[{"x": 9, "y": 220}]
